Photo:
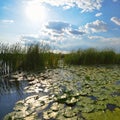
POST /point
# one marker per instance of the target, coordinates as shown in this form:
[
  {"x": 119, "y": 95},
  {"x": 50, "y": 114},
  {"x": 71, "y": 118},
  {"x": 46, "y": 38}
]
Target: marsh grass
[
  {"x": 39, "y": 56},
  {"x": 30, "y": 58},
  {"x": 92, "y": 57},
  {"x": 11, "y": 55}
]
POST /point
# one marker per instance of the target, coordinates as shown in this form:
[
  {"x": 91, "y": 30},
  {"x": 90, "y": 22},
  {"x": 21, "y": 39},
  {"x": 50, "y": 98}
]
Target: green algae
[{"x": 101, "y": 115}]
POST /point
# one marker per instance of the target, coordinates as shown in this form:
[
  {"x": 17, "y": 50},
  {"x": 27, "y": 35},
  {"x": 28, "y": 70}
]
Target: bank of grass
[
  {"x": 92, "y": 57},
  {"x": 38, "y": 57},
  {"x": 30, "y": 58}
]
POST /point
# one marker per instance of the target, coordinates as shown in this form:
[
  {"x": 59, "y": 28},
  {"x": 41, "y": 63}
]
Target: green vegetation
[
  {"x": 92, "y": 57},
  {"x": 73, "y": 93},
  {"x": 108, "y": 115},
  {"x": 39, "y": 56},
  {"x": 30, "y": 58}
]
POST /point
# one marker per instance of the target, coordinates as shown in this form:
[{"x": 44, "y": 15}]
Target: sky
[{"x": 65, "y": 25}]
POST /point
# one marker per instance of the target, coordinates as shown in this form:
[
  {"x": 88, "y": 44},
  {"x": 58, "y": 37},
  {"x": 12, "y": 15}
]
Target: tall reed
[
  {"x": 30, "y": 58},
  {"x": 92, "y": 56}
]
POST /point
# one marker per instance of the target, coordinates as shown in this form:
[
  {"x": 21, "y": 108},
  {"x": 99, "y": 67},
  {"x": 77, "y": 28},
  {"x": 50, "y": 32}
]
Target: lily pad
[
  {"x": 55, "y": 106},
  {"x": 49, "y": 115},
  {"x": 71, "y": 102},
  {"x": 101, "y": 115},
  {"x": 62, "y": 98},
  {"x": 68, "y": 112}
]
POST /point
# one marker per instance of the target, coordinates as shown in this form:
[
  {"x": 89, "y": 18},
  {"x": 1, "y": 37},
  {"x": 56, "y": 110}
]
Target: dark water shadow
[{"x": 11, "y": 91}]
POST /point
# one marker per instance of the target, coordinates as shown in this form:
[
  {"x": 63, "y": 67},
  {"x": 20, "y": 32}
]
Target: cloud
[
  {"x": 58, "y": 27},
  {"x": 84, "y": 5},
  {"x": 59, "y": 35},
  {"x": 115, "y": 0},
  {"x": 110, "y": 42},
  {"x": 96, "y": 26},
  {"x": 115, "y": 20},
  {"x": 98, "y": 14},
  {"x": 89, "y": 5},
  {"x": 62, "y": 28},
  {"x": 7, "y": 21},
  {"x": 70, "y": 43},
  {"x": 76, "y": 32},
  {"x": 29, "y": 39},
  {"x": 94, "y": 37},
  {"x": 62, "y": 36}
]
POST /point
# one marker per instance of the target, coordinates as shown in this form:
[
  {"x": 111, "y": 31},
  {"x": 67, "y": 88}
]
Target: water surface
[{"x": 11, "y": 91}]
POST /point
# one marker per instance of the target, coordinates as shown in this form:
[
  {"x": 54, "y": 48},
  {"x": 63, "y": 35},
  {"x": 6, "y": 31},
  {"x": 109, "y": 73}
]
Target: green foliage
[
  {"x": 30, "y": 58},
  {"x": 12, "y": 55},
  {"x": 92, "y": 57},
  {"x": 33, "y": 59},
  {"x": 51, "y": 59},
  {"x": 107, "y": 115}
]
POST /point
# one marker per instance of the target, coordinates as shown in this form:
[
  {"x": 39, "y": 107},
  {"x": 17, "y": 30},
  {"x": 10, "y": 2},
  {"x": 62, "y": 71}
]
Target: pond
[
  {"x": 11, "y": 91},
  {"x": 74, "y": 92}
]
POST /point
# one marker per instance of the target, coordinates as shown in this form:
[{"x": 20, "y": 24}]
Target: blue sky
[{"x": 63, "y": 24}]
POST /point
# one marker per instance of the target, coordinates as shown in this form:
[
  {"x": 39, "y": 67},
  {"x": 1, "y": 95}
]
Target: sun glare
[{"x": 36, "y": 13}]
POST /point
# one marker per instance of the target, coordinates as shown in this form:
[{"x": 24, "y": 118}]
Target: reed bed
[
  {"x": 39, "y": 56},
  {"x": 31, "y": 58},
  {"x": 92, "y": 56}
]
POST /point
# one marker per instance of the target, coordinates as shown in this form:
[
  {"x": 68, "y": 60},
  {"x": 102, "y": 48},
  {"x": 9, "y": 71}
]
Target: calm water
[{"x": 10, "y": 92}]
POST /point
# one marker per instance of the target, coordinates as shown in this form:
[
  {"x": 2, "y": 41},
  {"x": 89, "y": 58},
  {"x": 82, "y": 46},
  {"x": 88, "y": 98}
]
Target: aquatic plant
[
  {"x": 92, "y": 56},
  {"x": 30, "y": 58}
]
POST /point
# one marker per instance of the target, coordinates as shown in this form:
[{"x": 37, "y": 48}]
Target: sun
[{"x": 36, "y": 13}]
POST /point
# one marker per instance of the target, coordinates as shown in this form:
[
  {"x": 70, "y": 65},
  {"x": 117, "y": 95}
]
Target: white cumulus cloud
[
  {"x": 98, "y": 14},
  {"x": 57, "y": 34},
  {"x": 62, "y": 28},
  {"x": 115, "y": 20},
  {"x": 96, "y": 26},
  {"x": 57, "y": 26},
  {"x": 85, "y": 5}
]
